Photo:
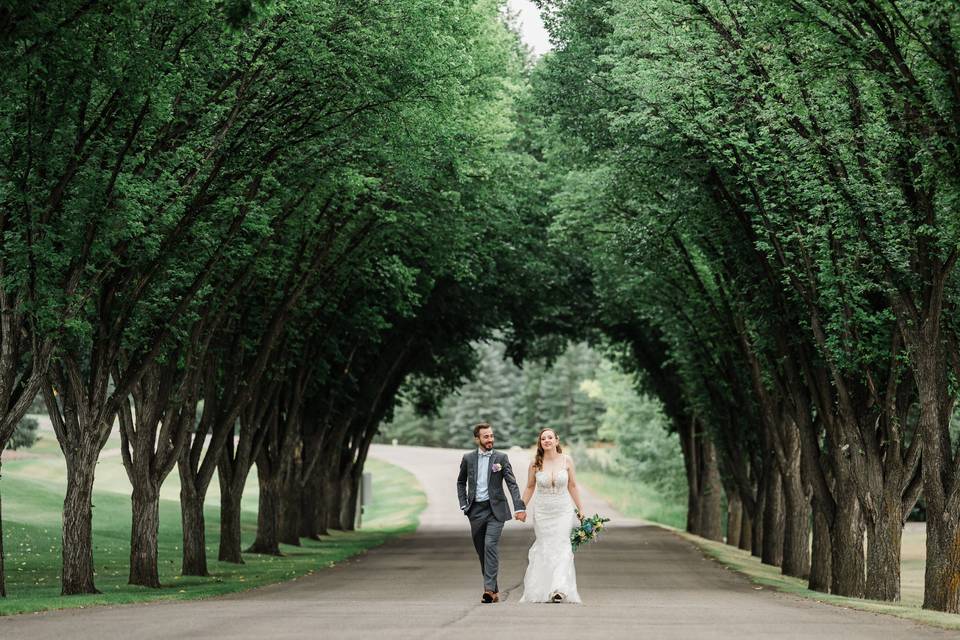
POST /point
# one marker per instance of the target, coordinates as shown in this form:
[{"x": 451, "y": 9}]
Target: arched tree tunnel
[{"x": 239, "y": 235}]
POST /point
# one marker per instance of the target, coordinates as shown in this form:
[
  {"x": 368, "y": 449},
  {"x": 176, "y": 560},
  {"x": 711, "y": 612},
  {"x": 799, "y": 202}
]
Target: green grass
[
  {"x": 33, "y": 491},
  {"x": 769, "y": 576},
  {"x": 913, "y": 556},
  {"x": 634, "y": 499}
]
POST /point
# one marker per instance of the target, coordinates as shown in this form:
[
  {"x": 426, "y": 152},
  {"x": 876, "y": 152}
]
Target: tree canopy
[{"x": 241, "y": 233}]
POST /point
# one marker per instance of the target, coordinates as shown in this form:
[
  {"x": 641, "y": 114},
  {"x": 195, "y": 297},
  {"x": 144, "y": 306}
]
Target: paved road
[{"x": 640, "y": 582}]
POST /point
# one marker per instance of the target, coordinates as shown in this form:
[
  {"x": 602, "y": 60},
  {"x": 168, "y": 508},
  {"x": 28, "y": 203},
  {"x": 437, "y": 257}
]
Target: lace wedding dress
[{"x": 550, "y": 569}]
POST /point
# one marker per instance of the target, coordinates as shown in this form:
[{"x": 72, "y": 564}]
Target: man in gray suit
[{"x": 480, "y": 489}]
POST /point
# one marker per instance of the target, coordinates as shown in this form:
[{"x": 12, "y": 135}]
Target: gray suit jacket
[{"x": 467, "y": 484}]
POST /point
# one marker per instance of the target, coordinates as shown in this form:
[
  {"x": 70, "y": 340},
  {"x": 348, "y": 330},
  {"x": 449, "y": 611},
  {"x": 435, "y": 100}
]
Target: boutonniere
[{"x": 496, "y": 467}]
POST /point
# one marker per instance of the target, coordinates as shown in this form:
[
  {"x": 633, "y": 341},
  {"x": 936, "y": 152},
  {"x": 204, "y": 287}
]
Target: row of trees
[
  {"x": 235, "y": 230},
  {"x": 232, "y": 229},
  {"x": 765, "y": 196}
]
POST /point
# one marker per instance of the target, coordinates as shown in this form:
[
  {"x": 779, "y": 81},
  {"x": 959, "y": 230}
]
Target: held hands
[{"x": 521, "y": 516}]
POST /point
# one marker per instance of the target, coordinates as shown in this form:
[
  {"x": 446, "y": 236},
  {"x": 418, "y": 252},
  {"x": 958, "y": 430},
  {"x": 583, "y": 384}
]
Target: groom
[{"x": 480, "y": 489}]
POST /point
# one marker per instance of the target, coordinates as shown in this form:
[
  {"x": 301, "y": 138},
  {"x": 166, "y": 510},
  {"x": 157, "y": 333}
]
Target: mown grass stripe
[{"x": 32, "y": 502}]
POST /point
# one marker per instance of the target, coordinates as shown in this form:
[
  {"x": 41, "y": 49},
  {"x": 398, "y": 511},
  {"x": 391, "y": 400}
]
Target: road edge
[{"x": 751, "y": 568}]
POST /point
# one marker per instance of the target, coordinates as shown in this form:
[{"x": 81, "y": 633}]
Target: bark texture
[
  {"x": 194, "y": 558},
  {"x": 847, "y": 570},
  {"x": 268, "y": 514},
  {"x": 820, "y": 553},
  {"x": 734, "y": 517},
  {"x": 144, "y": 552},
  {"x": 77, "y": 526}
]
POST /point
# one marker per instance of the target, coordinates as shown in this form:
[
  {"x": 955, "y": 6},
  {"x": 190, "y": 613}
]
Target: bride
[{"x": 551, "y": 576}]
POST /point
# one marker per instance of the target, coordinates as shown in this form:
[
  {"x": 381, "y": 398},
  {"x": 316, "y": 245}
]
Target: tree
[
  {"x": 744, "y": 223},
  {"x": 196, "y": 185},
  {"x": 25, "y": 436}
]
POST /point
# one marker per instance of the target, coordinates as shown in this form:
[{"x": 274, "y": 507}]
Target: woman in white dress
[{"x": 552, "y": 492}]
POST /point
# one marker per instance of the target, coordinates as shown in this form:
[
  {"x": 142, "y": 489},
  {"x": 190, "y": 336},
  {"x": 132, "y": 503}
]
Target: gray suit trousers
[{"x": 486, "y": 530}]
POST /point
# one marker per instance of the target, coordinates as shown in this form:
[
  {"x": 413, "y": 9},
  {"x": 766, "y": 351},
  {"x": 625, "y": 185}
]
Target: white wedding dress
[{"x": 550, "y": 567}]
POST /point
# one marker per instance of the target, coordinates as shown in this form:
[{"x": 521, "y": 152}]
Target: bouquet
[{"x": 588, "y": 531}]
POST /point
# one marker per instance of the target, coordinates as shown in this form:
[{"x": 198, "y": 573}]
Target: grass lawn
[
  {"x": 633, "y": 499},
  {"x": 33, "y": 488}
]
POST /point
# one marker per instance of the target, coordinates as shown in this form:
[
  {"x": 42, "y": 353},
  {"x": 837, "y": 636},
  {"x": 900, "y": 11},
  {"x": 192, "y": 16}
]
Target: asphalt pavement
[{"x": 639, "y": 581}]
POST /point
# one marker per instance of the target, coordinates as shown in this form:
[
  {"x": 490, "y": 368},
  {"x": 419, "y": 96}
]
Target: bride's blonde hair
[{"x": 538, "y": 461}]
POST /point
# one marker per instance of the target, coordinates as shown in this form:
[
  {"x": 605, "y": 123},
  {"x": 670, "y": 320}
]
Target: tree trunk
[
  {"x": 194, "y": 530},
  {"x": 884, "y": 537},
  {"x": 846, "y": 546},
  {"x": 77, "y": 522},
  {"x": 693, "y": 511},
  {"x": 3, "y": 575},
  {"x": 331, "y": 499},
  {"x": 690, "y": 449},
  {"x": 290, "y": 503},
  {"x": 193, "y": 522},
  {"x": 143, "y": 535},
  {"x": 348, "y": 503},
  {"x": 312, "y": 516},
  {"x": 773, "y": 518},
  {"x": 711, "y": 493},
  {"x": 756, "y": 533},
  {"x": 796, "y": 526},
  {"x": 942, "y": 577},
  {"x": 941, "y": 580},
  {"x": 820, "y": 553},
  {"x": 268, "y": 512},
  {"x": 746, "y": 530},
  {"x": 229, "y": 524},
  {"x": 734, "y": 517}
]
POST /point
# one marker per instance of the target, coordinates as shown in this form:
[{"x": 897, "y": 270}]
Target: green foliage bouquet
[{"x": 588, "y": 531}]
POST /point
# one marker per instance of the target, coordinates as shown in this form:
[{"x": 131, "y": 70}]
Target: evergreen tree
[
  {"x": 517, "y": 402},
  {"x": 25, "y": 435}
]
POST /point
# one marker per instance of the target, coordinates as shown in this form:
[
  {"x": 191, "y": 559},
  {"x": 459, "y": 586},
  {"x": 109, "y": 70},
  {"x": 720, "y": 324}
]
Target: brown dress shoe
[
  {"x": 496, "y": 596},
  {"x": 487, "y": 597}
]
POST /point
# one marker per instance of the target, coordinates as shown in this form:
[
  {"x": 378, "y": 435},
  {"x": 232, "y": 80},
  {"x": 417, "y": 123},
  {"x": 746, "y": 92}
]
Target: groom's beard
[{"x": 488, "y": 447}]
